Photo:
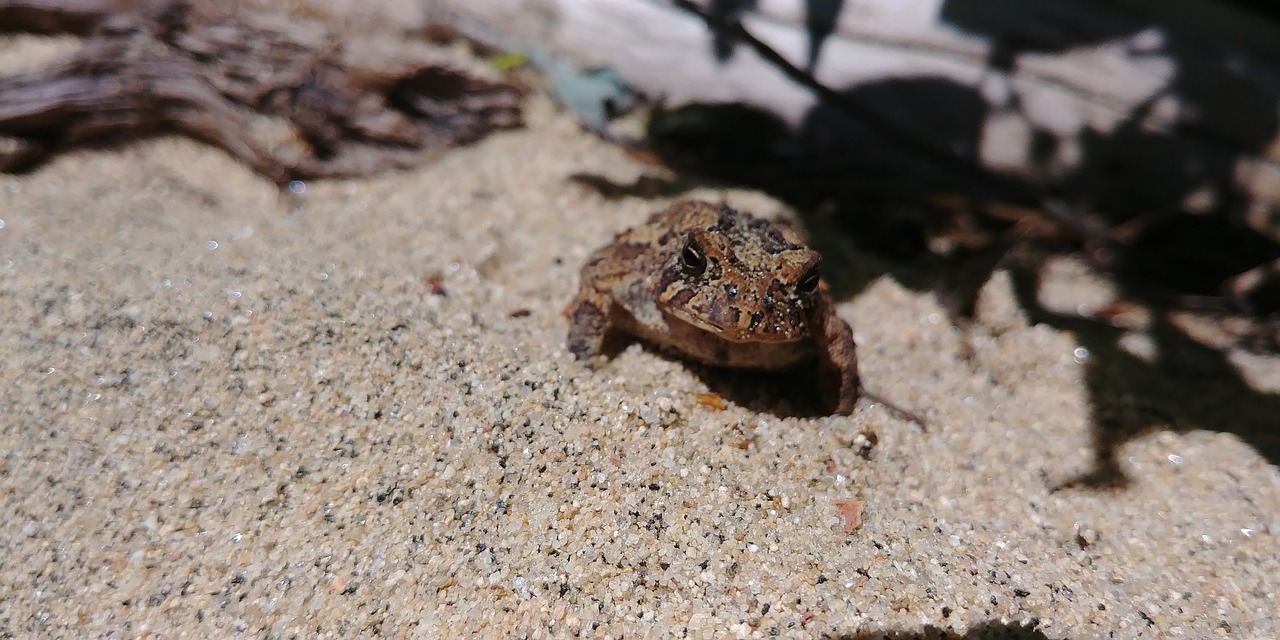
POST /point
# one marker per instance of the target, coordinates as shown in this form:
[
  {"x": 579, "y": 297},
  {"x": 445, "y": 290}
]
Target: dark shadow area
[
  {"x": 1158, "y": 209},
  {"x": 820, "y": 22},
  {"x": 727, "y": 10},
  {"x": 645, "y": 186},
  {"x": 1184, "y": 385},
  {"x": 1019, "y": 27},
  {"x": 991, "y": 630},
  {"x": 783, "y": 394},
  {"x": 1265, "y": 9},
  {"x": 788, "y": 393}
]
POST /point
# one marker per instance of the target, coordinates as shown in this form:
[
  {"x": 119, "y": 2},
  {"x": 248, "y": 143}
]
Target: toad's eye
[
  {"x": 809, "y": 283},
  {"x": 692, "y": 259}
]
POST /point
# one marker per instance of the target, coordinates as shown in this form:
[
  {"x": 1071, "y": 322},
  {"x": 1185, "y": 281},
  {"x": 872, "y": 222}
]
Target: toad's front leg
[
  {"x": 588, "y": 316},
  {"x": 837, "y": 358}
]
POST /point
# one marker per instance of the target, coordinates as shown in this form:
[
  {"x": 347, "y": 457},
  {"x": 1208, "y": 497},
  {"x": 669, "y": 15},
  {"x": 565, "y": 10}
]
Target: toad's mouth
[{"x": 761, "y": 332}]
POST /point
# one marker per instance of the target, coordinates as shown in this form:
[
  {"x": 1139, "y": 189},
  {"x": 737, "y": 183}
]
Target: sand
[{"x": 352, "y": 413}]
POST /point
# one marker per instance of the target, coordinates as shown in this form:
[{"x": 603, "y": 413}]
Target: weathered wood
[
  {"x": 280, "y": 94},
  {"x": 76, "y": 17},
  {"x": 1125, "y": 108}
]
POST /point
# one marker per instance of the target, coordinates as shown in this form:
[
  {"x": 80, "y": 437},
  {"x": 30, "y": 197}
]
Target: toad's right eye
[{"x": 693, "y": 261}]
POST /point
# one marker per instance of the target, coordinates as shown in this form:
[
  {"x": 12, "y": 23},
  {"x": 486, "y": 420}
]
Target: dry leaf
[{"x": 851, "y": 513}]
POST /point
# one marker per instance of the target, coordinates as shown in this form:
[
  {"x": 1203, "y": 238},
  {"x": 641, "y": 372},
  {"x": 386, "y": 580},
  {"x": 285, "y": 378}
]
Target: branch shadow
[
  {"x": 1179, "y": 385},
  {"x": 1174, "y": 216}
]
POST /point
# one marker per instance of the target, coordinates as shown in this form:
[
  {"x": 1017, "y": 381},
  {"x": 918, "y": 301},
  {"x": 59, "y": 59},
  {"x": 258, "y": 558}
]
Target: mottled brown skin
[{"x": 721, "y": 287}]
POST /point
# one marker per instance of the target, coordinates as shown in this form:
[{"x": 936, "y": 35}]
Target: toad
[{"x": 721, "y": 287}]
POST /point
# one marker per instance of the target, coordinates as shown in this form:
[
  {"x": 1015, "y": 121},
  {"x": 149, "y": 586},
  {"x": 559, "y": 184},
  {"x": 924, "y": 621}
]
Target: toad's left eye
[{"x": 809, "y": 283}]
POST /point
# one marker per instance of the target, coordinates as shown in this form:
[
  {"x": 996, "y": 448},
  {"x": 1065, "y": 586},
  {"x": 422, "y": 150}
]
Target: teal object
[{"x": 594, "y": 95}]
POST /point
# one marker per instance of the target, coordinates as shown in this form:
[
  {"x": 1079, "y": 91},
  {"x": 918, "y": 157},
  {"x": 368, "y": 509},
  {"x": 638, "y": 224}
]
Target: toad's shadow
[
  {"x": 786, "y": 393},
  {"x": 991, "y": 630}
]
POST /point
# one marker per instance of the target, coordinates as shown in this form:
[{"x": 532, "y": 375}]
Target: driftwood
[{"x": 284, "y": 96}]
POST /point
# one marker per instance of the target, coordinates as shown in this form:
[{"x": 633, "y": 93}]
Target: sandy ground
[{"x": 351, "y": 413}]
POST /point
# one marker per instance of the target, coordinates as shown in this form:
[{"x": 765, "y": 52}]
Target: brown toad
[{"x": 720, "y": 287}]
